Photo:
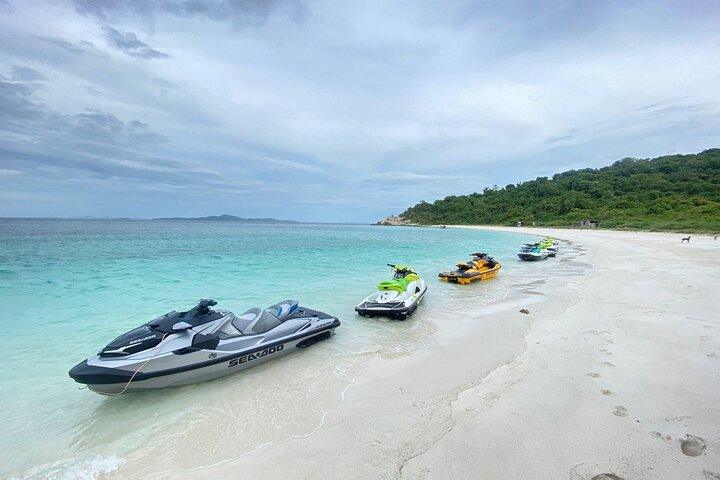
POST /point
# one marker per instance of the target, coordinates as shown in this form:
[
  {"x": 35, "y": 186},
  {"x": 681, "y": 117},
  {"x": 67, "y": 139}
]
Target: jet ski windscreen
[{"x": 136, "y": 340}]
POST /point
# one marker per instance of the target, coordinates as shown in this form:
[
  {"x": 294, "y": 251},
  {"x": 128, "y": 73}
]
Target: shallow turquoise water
[{"x": 67, "y": 287}]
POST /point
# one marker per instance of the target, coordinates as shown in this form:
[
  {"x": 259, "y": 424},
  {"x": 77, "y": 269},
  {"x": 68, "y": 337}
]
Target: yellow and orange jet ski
[{"x": 481, "y": 267}]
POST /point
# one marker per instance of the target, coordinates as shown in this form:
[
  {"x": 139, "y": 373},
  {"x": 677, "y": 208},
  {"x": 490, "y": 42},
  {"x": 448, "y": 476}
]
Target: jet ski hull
[
  {"x": 379, "y": 310},
  {"x": 531, "y": 257}
]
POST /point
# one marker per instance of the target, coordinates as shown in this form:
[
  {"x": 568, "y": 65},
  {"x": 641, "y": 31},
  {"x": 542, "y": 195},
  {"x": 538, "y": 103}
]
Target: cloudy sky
[{"x": 338, "y": 111}]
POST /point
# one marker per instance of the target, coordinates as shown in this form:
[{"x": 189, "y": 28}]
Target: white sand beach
[{"x": 614, "y": 374}]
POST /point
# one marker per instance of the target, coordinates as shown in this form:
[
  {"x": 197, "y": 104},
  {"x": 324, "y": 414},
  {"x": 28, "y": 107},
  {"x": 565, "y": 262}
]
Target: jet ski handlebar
[
  {"x": 203, "y": 306},
  {"x": 401, "y": 268}
]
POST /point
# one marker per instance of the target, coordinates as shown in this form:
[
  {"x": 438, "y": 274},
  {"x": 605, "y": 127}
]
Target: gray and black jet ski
[{"x": 179, "y": 348}]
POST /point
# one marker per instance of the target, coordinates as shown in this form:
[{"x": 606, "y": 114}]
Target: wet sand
[{"x": 614, "y": 374}]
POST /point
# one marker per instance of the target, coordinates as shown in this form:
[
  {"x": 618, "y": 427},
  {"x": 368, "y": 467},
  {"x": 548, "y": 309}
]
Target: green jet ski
[{"x": 397, "y": 298}]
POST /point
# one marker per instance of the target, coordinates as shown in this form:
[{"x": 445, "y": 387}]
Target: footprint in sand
[
  {"x": 620, "y": 411},
  {"x": 607, "y": 476},
  {"x": 692, "y": 446},
  {"x": 593, "y": 374},
  {"x": 606, "y": 392},
  {"x": 657, "y": 434},
  {"x": 608, "y": 364},
  {"x": 596, "y": 332},
  {"x": 711, "y": 475}
]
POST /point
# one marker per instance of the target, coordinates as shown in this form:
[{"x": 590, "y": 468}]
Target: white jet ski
[{"x": 397, "y": 298}]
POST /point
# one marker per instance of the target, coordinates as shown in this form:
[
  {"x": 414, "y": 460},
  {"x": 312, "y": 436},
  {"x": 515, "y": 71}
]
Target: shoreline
[
  {"x": 390, "y": 414},
  {"x": 415, "y": 389},
  {"x": 632, "y": 375},
  {"x": 529, "y": 228},
  {"x": 589, "y": 387},
  {"x": 229, "y": 416},
  {"x": 614, "y": 371}
]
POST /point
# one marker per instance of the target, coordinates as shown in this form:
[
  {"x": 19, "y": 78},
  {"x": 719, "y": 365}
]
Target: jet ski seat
[
  {"x": 241, "y": 322},
  {"x": 398, "y": 284},
  {"x": 257, "y": 321}
]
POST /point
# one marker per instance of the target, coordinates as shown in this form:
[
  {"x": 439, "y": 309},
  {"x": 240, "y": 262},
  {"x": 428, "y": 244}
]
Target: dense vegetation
[{"x": 677, "y": 192}]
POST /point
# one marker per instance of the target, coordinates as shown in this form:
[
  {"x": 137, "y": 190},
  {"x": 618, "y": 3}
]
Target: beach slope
[{"x": 613, "y": 374}]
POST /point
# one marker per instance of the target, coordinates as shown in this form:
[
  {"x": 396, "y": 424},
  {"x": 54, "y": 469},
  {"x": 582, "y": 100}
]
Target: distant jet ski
[
  {"x": 533, "y": 254},
  {"x": 539, "y": 251},
  {"x": 397, "y": 298},
  {"x": 550, "y": 245},
  {"x": 180, "y": 348}
]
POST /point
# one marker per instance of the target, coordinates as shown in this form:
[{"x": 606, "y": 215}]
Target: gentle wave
[{"x": 85, "y": 469}]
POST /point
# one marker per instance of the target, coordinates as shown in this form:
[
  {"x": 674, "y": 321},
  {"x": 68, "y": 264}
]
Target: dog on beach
[{"x": 685, "y": 239}]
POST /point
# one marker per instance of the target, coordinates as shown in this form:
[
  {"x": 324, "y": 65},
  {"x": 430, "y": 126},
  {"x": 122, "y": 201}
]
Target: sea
[{"x": 68, "y": 287}]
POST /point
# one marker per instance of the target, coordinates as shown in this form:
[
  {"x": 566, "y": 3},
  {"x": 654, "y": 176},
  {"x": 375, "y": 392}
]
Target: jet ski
[
  {"x": 481, "y": 267},
  {"x": 539, "y": 250},
  {"x": 549, "y": 244},
  {"x": 397, "y": 298},
  {"x": 552, "y": 246},
  {"x": 533, "y": 252},
  {"x": 180, "y": 348}
]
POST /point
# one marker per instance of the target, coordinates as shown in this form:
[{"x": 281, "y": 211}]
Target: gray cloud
[
  {"x": 275, "y": 108},
  {"x": 97, "y": 124},
  {"x": 128, "y": 43},
  {"x": 27, "y": 74},
  {"x": 240, "y": 13},
  {"x": 75, "y": 48},
  {"x": 34, "y": 136},
  {"x": 82, "y": 64},
  {"x": 16, "y": 104}
]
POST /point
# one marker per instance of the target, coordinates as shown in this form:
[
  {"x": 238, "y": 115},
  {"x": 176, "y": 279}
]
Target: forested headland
[{"x": 675, "y": 192}]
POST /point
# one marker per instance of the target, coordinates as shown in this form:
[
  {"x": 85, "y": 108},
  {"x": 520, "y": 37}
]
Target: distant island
[
  {"x": 229, "y": 218},
  {"x": 675, "y": 192}
]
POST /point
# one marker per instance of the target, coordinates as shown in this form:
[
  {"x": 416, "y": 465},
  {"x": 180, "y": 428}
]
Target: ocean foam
[{"x": 75, "y": 469}]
